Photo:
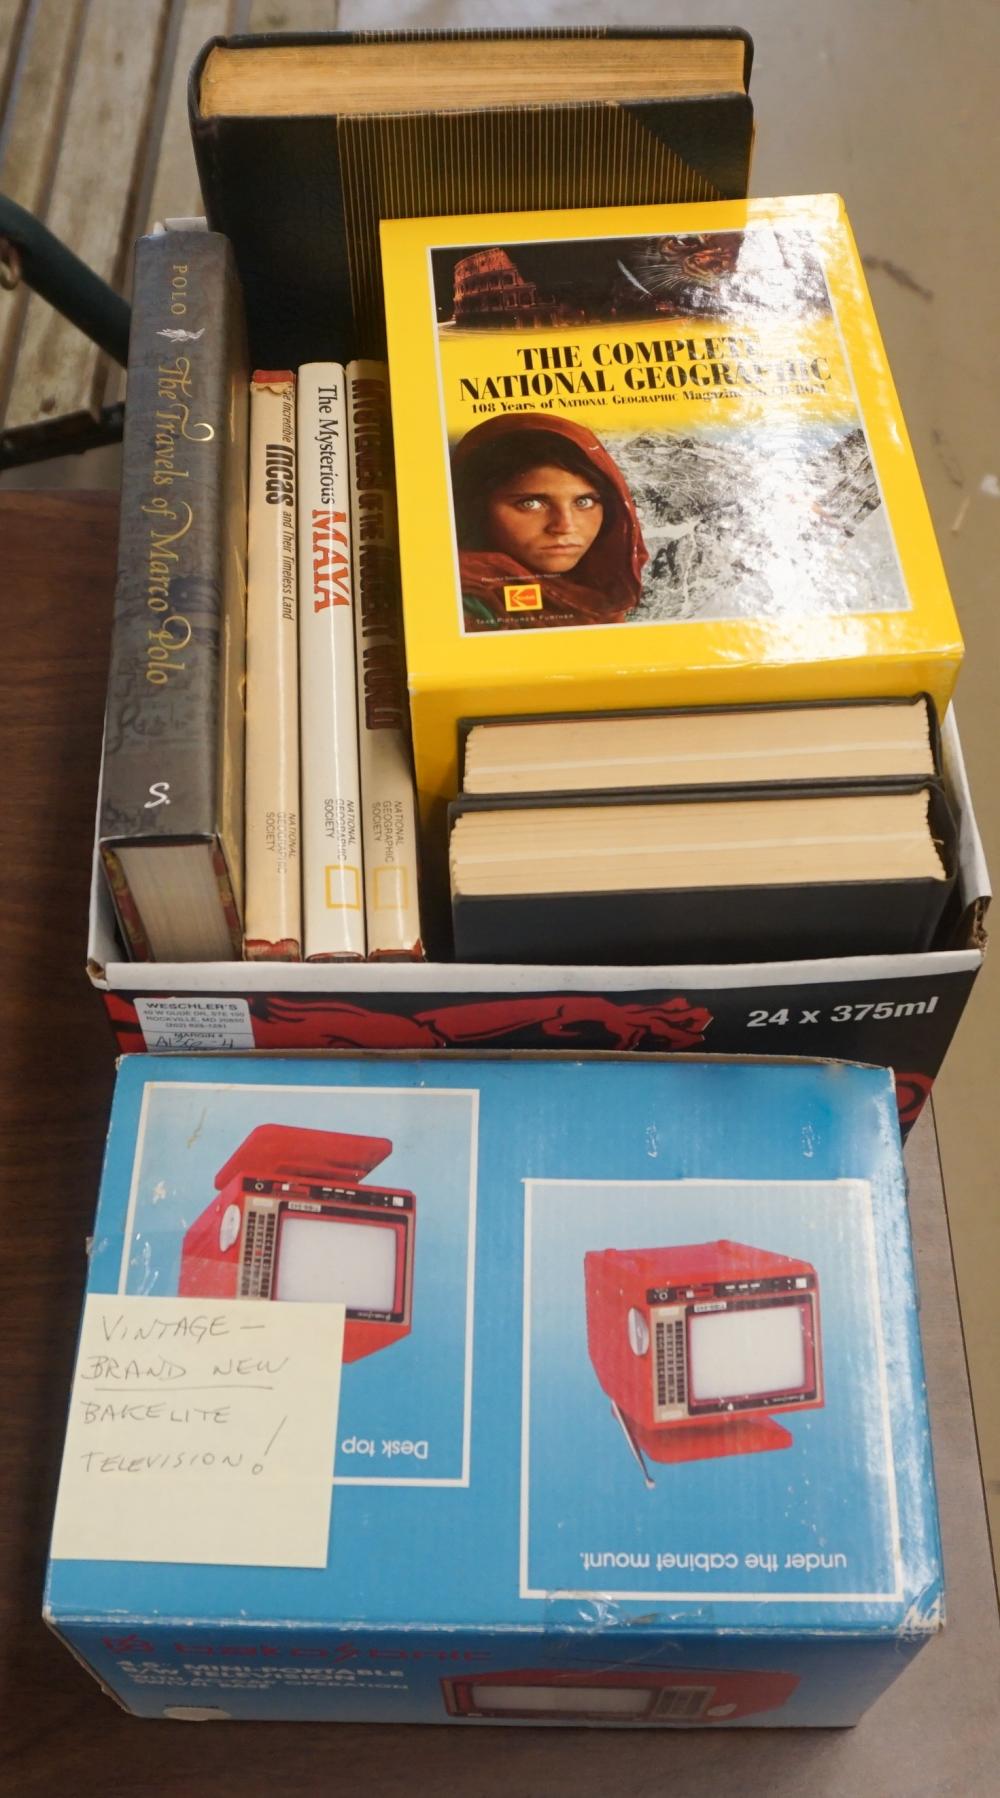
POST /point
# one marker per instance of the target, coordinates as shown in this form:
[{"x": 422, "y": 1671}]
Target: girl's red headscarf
[{"x": 605, "y": 585}]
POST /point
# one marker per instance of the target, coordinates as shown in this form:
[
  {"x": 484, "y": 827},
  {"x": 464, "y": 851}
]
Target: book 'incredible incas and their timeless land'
[
  {"x": 273, "y": 925},
  {"x": 650, "y": 457}
]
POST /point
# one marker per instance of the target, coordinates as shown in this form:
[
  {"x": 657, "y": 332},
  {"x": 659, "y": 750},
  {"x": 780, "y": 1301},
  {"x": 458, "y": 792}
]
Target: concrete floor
[{"x": 894, "y": 106}]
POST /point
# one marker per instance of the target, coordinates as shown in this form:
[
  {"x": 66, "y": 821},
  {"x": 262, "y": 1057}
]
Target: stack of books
[
  {"x": 677, "y": 634},
  {"x": 322, "y": 862},
  {"x": 652, "y": 459},
  {"x": 257, "y": 793},
  {"x": 750, "y": 834},
  {"x": 336, "y": 686}
]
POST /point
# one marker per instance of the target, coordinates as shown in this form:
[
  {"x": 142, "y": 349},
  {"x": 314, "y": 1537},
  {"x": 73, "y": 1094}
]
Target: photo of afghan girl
[{"x": 547, "y": 529}]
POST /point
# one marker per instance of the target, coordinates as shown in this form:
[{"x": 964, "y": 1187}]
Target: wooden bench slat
[
  {"x": 59, "y": 372},
  {"x": 76, "y": 150},
  {"x": 12, "y": 16},
  {"x": 31, "y": 139},
  {"x": 37, "y": 104},
  {"x": 176, "y": 192},
  {"x": 293, "y": 15}
]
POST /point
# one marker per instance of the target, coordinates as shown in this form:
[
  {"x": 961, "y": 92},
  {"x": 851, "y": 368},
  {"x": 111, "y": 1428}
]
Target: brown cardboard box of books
[{"x": 899, "y": 1011}]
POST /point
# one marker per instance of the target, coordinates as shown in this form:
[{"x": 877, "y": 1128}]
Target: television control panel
[
  {"x": 302, "y": 1194},
  {"x": 726, "y": 1289}
]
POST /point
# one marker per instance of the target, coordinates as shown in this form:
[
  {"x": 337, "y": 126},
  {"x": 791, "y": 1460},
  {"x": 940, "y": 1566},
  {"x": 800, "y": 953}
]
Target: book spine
[
  {"x": 388, "y": 797},
  {"x": 272, "y": 926},
  {"x": 173, "y": 749},
  {"x": 332, "y": 883}
]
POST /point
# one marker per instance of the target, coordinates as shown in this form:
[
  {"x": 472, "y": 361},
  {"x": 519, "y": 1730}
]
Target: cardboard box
[
  {"x": 614, "y": 1364},
  {"x": 897, "y": 1011}
]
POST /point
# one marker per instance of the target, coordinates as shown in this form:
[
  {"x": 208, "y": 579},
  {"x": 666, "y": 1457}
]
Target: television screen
[
  {"x": 334, "y": 1259},
  {"x": 733, "y": 1354},
  {"x": 610, "y": 1701}
]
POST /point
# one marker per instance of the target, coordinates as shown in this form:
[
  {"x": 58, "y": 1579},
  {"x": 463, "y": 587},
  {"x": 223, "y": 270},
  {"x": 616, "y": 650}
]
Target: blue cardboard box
[{"x": 593, "y": 1394}]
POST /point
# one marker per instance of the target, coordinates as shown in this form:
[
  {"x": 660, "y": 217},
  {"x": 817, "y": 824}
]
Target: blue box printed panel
[{"x": 632, "y": 1383}]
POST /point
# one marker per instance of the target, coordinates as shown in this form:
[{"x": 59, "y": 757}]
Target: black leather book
[
  {"x": 171, "y": 815},
  {"x": 813, "y": 743},
  {"x": 609, "y": 921},
  {"x": 300, "y": 191}
]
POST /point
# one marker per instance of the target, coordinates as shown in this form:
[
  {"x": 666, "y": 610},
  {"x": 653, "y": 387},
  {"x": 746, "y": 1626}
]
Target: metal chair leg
[{"x": 29, "y": 252}]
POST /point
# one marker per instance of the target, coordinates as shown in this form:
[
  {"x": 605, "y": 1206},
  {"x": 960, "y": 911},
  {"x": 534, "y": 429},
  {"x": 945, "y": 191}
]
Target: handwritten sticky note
[{"x": 201, "y": 1431}]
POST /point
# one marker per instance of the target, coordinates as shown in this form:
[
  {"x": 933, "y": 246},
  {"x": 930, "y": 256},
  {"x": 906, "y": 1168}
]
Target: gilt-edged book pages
[
  {"x": 704, "y": 878},
  {"x": 752, "y": 746}
]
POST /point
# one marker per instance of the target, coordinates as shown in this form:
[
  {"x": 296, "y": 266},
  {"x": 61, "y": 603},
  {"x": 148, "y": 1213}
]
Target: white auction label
[
  {"x": 195, "y": 1023},
  {"x": 201, "y": 1431}
]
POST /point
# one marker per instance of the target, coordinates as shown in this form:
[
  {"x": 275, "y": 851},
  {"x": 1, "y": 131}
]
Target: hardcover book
[
  {"x": 332, "y": 878},
  {"x": 273, "y": 923},
  {"x": 650, "y": 457},
  {"x": 388, "y": 795},
  {"x": 731, "y": 875},
  {"x": 304, "y": 144},
  {"x": 750, "y": 746},
  {"x": 171, "y": 810}
]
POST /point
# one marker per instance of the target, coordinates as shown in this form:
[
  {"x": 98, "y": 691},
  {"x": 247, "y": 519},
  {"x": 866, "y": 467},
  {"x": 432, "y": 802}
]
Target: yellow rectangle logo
[
  {"x": 343, "y": 887},
  {"x": 390, "y": 889}
]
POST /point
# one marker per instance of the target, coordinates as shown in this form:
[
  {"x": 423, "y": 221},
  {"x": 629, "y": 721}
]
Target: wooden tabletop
[{"x": 936, "y": 1732}]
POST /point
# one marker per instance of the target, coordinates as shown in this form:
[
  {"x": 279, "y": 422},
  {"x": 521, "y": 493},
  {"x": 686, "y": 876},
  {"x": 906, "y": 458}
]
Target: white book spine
[
  {"x": 273, "y": 906},
  {"x": 388, "y": 798},
  {"x": 332, "y": 879}
]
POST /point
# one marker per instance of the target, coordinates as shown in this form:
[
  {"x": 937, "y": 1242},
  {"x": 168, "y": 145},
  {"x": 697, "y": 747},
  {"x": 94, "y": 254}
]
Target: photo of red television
[
  {"x": 291, "y": 1220},
  {"x": 616, "y": 1695},
  {"x": 696, "y": 1346}
]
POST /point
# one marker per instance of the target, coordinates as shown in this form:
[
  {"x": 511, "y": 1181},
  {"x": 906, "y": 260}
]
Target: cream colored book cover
[
  {"x": 332, "y": 877},
  {"x": 388, "y": 795},
  {"x": 273, "y": 923}
]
